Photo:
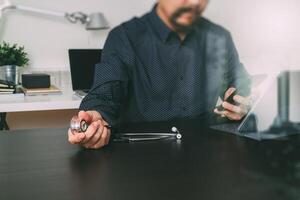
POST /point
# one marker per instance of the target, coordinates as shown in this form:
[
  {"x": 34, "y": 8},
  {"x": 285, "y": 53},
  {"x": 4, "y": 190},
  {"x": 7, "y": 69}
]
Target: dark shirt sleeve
[
  {"x": 236, "y": 75},
  {"x": 110, "y": 80}
]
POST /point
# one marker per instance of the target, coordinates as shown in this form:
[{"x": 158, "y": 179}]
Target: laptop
[{"x": 82, "y": 67}]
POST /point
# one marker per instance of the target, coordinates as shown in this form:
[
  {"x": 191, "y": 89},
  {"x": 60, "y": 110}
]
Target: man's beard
[{"x": 182, "y": 28}]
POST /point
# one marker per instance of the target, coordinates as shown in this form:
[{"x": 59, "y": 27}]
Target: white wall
[
  {"x": 48, "y": 38},
  {"x": 266, "y": 32}
]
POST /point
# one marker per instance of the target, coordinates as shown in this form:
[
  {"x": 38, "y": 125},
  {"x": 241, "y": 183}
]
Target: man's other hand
[{"x": 234, "y": 112}]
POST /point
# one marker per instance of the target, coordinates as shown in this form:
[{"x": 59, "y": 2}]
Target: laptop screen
[{"x": 82, "y": 65}]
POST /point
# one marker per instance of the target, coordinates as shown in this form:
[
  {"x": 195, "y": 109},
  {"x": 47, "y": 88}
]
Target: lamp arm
[
  {"x": 99, "y": 21},
  {"x": 71, "y": 17},
  {"x": 39, "y": 11},
  {"x": 6, "y": 4}
]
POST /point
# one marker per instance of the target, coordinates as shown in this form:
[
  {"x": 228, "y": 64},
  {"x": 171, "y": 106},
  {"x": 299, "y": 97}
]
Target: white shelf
[
  {"x": 40, "y": 103},
  {"x": 66, "y": 100}
]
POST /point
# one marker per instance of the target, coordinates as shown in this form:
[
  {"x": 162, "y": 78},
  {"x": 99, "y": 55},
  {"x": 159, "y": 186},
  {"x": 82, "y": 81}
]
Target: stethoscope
[
  {"x": 138, "y": 137},
  {"x": 82, "y": 125}
]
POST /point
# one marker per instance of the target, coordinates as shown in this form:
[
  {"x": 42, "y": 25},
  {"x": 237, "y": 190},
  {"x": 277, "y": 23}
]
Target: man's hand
[
  {"x": 234, "y": 112},
  {"x": 96, "y": 136}
]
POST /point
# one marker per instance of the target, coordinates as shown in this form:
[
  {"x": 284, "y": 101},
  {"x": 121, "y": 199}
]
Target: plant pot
[{"x": 10, "y": 73}]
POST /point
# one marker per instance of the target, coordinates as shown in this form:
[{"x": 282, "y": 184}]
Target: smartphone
[{"x": 228, "y": 100}]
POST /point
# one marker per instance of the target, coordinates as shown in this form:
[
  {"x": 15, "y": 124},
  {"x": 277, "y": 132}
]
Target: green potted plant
[{"x": 11, "y": 58}]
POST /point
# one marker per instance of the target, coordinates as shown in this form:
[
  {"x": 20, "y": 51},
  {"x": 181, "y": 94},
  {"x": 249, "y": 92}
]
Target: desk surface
[{"x": 40, "y": 164}]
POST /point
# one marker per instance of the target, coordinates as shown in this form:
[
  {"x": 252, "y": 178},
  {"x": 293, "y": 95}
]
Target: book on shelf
[
  {"x": 4, "y": 95},
  {"x": 3, "y": 92},
  {"x": 6, "y": 87},
  {"x": 41, "y": 91},
  {"x": 2, "y": 89},
  {"x": 6, "y": 84},
  {"x": 9, "y": 90}
]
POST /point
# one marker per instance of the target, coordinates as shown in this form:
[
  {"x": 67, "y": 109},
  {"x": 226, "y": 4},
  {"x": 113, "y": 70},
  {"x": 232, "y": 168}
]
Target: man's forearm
[{"x": 105, "y": 99}]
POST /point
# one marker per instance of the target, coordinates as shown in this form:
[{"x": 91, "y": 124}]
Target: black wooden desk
[{"x": 40, "y": 164}]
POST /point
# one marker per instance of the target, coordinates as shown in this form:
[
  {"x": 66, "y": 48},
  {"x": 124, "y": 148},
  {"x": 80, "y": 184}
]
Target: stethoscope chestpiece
[{"x": 78, "y": 125}]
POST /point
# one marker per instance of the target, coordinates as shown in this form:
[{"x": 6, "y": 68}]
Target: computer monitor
[{"x": 82, "y": 66}]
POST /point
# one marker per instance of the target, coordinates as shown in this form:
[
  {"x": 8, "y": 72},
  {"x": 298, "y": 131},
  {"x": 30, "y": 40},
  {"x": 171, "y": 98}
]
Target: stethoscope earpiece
[{"x": 175, "y": 130}]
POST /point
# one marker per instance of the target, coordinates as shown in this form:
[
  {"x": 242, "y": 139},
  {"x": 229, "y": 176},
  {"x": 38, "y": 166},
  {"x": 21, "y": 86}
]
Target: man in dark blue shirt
[{"x": 170, "y": 63}]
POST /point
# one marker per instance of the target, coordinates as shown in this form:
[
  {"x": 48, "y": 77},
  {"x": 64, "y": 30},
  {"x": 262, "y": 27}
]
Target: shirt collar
[{"x": 160, "y": 27}]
